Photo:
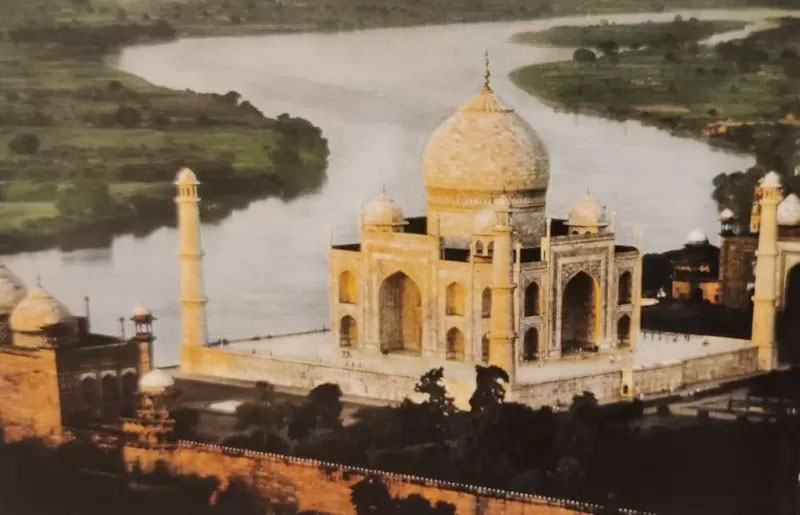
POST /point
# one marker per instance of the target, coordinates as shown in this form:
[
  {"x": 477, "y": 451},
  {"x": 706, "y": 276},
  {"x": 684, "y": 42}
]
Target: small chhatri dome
[
  {"x": 156, "y": 381},
  {"x": 37, "y": 311},
  {"x": 696, "y": 238},
  {"x": 12, "y": 290},
  {"x": 771, "y": 180},
  {"x": 186, "y": 177},
  {"x": 485, "y": 147},
  {"x": 726, "y": 215},
  {"x": 789, "y": 210},
  {"x": 382, "y": 211},
  {"x": 141, "y": 312},
  {"x": 586, "y": 212},
  {"x": 484, "y": 223}
]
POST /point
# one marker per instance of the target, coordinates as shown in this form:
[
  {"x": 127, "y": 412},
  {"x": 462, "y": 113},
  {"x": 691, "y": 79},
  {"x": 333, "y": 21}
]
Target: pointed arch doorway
[
  {"x": 580, "y": 314},
  {"x": 400, "y": 315}
]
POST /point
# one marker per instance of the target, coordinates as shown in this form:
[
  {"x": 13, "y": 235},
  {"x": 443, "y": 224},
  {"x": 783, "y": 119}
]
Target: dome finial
[{"x": 486, "y": 73}]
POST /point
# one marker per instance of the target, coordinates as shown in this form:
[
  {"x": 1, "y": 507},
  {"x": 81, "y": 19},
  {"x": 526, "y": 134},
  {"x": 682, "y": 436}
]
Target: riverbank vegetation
[
  {"x": 742, "y": 95},
  {"x": 613, "y": 36},
  {"x": 87, "y": 151}
]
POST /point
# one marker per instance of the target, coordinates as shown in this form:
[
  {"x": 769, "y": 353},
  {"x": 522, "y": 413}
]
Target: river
[{"x": 377, "y": 95}]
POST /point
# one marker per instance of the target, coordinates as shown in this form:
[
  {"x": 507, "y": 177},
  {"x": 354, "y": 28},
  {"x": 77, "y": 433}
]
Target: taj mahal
[{"x": 485, "y": 278}]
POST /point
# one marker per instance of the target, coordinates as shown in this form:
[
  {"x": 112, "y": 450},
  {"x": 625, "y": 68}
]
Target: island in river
[
  {"x": 87, "y": 151},
  {"x": 740, "y": 94}
]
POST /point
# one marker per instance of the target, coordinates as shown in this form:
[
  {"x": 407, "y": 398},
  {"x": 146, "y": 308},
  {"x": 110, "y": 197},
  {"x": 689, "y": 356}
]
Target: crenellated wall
[{"x": 325, "y": 487}]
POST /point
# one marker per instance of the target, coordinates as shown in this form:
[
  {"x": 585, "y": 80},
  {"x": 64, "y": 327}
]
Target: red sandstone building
[{"x": 56, "y": 373}]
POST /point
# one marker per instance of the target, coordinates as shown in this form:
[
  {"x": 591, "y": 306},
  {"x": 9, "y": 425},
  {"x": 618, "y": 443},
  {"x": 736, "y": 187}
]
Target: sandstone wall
[
  {"x": 216, "y": 362},
  {"x": 709, "y": 368},
  {"x": 29, "y": 400},
  {"x": 325, "y": 487},
  {"x": 605, "y": 387},
  {"x": 715, "y": 367}
]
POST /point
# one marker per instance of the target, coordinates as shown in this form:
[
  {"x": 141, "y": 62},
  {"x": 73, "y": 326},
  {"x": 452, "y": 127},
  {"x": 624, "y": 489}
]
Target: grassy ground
[{"x": 688, "y": 90}]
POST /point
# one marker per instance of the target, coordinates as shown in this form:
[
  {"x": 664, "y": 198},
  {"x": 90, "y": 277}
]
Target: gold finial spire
[{"x": 486, "y": 73}]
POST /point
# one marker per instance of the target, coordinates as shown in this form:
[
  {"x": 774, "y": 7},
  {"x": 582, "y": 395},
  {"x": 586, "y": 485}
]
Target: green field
[{"x": 752, "y": 87}]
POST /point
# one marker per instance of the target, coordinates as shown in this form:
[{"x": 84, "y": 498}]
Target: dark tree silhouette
[
  {"x": 430, "y": 384},
  {"x": 488, "y": 390}
]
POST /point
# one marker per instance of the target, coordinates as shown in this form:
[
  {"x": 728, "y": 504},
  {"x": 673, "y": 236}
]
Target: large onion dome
[{"x": 485, "y": 147}]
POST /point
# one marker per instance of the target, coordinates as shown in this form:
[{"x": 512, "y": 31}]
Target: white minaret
[
  {"x": 501, "y": 319},
  {"x": 193, "y": 297},
  {"x": 765, "y": 294}
]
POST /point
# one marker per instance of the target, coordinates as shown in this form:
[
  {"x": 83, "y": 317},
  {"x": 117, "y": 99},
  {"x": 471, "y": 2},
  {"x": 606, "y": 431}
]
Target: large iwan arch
[
  {"x": 400, "y": 314},
  {"x": 580, "y": 314}
]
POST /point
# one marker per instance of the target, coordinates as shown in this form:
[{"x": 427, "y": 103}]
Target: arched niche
[{"x": 347, "y": 288}]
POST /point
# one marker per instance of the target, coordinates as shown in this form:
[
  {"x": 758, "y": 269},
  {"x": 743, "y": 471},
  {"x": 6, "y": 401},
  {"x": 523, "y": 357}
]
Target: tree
[
  {"x": 583, "y": 55},
  {"x": 322, "y": 409},
  {"x": 84, "y": 200},
  {"x": 576, "y": 441},
  {"x": 608, "y": 47},
  {"x": 265, "y": 412},
  {"x": 370, "y": 496},
  {"x": 266, "y": 418},
  {"x": 430, "y": 384},
  {"x": 24, "y": 144},
  {"x": 232, "y": 97},
  {"x": 128, "y": 116},
  {"x": 488, "y": 390}
]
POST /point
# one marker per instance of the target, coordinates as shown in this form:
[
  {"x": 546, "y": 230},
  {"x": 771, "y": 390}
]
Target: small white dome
[
  {"x": 156, "y": 381},
  {"x": 726, "y": 215},
  {"x": 37, "y": 311},
  {"x": 12, "y": 290},
  {"x": 186, "y": 177},
  {"x": 382, "y": 211},
  {"x": 484, "y": 222},
  {"x": 697, "y": 237},
  {"x": 586, "y": 212},
  {"x": 141, "y": 311},
  {"x": 789, "y": 210},
  {"x": 771, "y": 180}
]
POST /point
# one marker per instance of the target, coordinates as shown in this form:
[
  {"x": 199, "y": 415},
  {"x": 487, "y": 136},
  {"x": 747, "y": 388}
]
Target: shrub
[
  {"x": 128, "y": 116},
  {"x": 583, "y": 55},
  {"x": 24, "y": 144},
  {"x": 84, "y": 200}
]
